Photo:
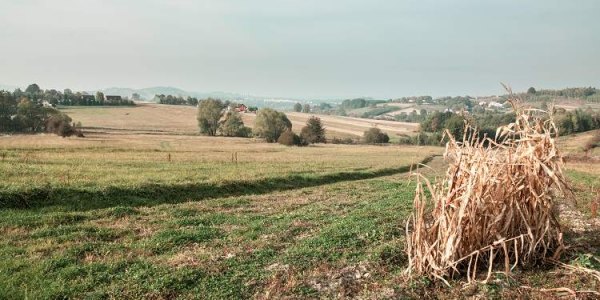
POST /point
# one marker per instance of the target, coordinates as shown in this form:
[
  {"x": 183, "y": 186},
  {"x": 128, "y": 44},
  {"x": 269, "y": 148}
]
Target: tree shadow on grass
[{"x": 75, "y": 199}]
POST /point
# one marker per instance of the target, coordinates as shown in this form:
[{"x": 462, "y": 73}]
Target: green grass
[
  {"x": 101, "y": 253},
  {"x": 106, "y": 221}
]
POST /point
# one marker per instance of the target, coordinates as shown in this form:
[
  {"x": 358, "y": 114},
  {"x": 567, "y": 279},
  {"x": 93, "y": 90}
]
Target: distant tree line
[
  {"x": 175, "y": 100},
  {"x": 25, "y": 115},
  {"x": 589, "y": 94},
  {"x": 69, "y": 98},
  {"x": 578, "y": 120},
  {"x": 413, "y": 116},
  {"x": 216, "y": 117},
  {"x": 360, "y": 103},
  {"x": 433, "y": 127}
]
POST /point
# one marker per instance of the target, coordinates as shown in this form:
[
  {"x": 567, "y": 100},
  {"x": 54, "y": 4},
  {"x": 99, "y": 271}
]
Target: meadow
[
  {"x": 180, "y": 119},
  {"x": 144, "y": 208}
]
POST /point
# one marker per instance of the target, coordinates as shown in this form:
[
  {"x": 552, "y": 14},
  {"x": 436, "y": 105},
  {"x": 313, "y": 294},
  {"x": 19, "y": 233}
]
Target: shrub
[
  {"x": 233, "y": 125},
  {"x": 346, "y": 141},
  {"x": 375, "y": 136},
  {"x": 313, "y": 132},
  {"x": 60, "y": 124},
  {"x": 289, "y": 138},
  {"x": 270, "y": 124}
]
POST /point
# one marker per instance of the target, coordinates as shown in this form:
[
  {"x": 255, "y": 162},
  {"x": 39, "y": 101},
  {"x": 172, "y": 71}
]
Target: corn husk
[{"x": 494, "y": 209}]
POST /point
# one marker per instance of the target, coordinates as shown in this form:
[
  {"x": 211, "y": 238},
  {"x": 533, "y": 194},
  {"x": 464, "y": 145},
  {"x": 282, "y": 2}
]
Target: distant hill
[{"x": 146, "y": 93}]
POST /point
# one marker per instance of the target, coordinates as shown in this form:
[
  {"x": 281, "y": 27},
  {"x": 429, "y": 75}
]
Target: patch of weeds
[
  {"x": 121, "y": 212},
  {"x": 21, "y": 219},
  {"x": 168, "y": 240},
  {"x": 306, "y": 291},
  {"x": 392, "y": 256},
  {"x": 64, "y": 219},
  {"x": 586, "y": 260},
  {"x": 57, "y": 263},
  {"x": 209, "y": 219},
  {"x": 492, "y": 290},
  {"x": 233, "y": 203},
  {"x": 76, "y": 233},
  {"x": 185, "y": 212}
]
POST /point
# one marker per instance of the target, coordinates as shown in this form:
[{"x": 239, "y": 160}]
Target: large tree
[
  {"x": 210, "y": 112},
  {"x": 270, "y": 124},
  {"x": 313, "y": 132},
  {"x": 33, "y": 89},
  {"x": 100, "y": 97},
  {"x": 8, "y": 108},
  {"x": 306, "y": 108},
  {"x": 33, "y": 92},
  {"x": 297, "y": 107}
]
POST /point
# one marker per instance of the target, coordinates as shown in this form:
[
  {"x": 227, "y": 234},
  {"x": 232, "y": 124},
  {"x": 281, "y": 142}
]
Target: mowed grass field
[{"x": 134, "y": 211}]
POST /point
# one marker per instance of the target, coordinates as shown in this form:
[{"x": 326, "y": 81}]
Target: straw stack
[{"x": 495, "y": 208}]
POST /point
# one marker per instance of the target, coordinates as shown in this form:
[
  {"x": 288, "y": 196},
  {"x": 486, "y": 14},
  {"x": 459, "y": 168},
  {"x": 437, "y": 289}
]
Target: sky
[{"x": 302, "y": 48}]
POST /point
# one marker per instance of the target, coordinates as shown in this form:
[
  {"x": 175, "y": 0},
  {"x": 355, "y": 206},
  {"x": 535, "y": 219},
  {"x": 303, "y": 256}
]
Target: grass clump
[
  {"x": 168, "y": 240},
  {"x": 495, "y": 207}
]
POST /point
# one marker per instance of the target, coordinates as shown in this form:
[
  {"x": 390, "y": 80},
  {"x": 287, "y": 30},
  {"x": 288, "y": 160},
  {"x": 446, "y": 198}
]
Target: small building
[
  {"x": 88, "y": 98},
  {"x": 113, "y": 99},
  {"x": 241, "y": 108},
  {"x": 45, "y": 103},
  {"x": 496, "y": 104}
]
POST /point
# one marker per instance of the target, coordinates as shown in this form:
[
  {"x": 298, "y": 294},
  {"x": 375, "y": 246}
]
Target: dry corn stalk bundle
[{"x": 495, "y": 205}]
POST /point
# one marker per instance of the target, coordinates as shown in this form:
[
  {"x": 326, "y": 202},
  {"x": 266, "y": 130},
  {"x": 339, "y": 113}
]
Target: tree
[
  {"x": 210, "y": 112},
  {"x": 531, "y": 91},
  {"x": 8, "y": 108},
  {"x": 306, "y": 108},
  {"x": 233, "y": 125},
  {"x": 135, "y": 97},
  {"x": 289, "y": 138},
  {"x": 33, "y": 92},
  {"x": 297, "y": 107},
  {"x": 30, "y": 115},
  {"x": 324, "y": 106},
  {"x": 270, "y": 124},
  {"x": 100, "y": 97},
  {"x": 33, "y": 89},
  {"x": 456, "y": 125},
  {"x": 313, "y": 132},
  {"x": 375, "y": 136}
]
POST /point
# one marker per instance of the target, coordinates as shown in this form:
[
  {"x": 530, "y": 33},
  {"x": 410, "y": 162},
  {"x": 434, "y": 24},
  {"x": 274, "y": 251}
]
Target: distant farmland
[{"x": 182, "y": 120}]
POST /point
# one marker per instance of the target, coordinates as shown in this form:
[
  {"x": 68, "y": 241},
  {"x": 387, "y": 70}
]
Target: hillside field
[
  {"x": 179, "y": 119},
  {"x": 142, "y": 207}
]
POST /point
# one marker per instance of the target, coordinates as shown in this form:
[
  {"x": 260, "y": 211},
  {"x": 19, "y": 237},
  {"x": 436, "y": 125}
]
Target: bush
[
  {"x": 313, "y": 132},
  {"x": 289, "y": 138},
  {"x": 233, "y": 125},
  {"x": 346, "y": 141},
  {"x": 270, "y": 124},
  {"x": 375, "y": 136}
]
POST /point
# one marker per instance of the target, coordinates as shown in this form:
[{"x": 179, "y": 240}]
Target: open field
[
  {"x": 157, "y": 118},
  {"x": 147, "y": 211}
]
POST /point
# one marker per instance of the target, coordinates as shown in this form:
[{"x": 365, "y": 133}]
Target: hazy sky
[{"x": 303, "y": 48}]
